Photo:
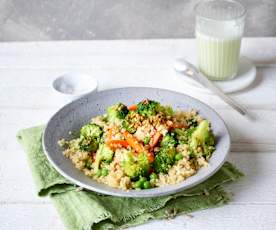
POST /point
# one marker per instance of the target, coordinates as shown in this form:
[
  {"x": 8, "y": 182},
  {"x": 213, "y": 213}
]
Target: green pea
[
  {"x": 146, "y": 185},
  {"x": 178, "y": 156},
  {"x": 153, "y": 176},
  {"x": 99, "y": 172},
  {"x": 104, "y": 172},
  {"x": 138, "y": 184},
  {"x": 143, "y": 179}
]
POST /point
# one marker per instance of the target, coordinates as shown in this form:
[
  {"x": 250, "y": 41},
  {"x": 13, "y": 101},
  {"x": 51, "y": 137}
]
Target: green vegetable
[
  {"x": 143, "y": 179},
  {"x": 116, "y": 113},
  {"x": 138, "y": 184},
  {"x": 99, "y": 172},
  {"x": 90, "y": 136},
  {"x": 153, "y": 176},
  {"x": 147, "y": 108},
  {"x": 164, "y": 159},
  {"x": 146, "y": 185},
  {"x": 135, "y": 166},
  {"x": 104, "y": 172},
  {"x": 178, "y": 156},
  {"x": 91, "y": 131},
  {"x": 183, "y": 136},
  {"x": 166, "y": 110},
  {"x": 89, "y": 145},
  {"x": 126, "y": 126},
  {"x": 146, "y": 140},
  {"x": 88, "y": 164},
  {"x": 168, "y": 141},
  {"x": 192, "y": 122},
  {"x": 204, "y": 138},
  {"x": 192, "y": 154},
  {"x": 153, "y": 179},
  {"x": 104, "y": 153}
]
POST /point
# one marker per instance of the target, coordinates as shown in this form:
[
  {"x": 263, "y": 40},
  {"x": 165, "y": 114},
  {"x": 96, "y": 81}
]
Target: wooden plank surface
[{"x": 26, "y": 99}]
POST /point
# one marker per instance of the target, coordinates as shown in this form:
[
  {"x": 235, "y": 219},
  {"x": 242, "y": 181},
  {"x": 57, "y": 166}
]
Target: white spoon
[{"x": 182, "y": 66}]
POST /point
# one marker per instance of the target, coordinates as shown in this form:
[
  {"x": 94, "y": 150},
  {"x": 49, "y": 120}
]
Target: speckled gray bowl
[{"x": 72, "y": 116}]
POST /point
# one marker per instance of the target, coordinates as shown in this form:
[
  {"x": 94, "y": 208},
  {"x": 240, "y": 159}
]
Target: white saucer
[{"x": 245, "y": 77}]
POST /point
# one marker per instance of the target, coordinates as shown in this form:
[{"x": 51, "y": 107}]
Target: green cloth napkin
[{"x": 81, "y": 209}]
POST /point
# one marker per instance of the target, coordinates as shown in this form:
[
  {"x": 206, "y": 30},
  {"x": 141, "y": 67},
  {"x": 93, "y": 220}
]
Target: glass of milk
[{"x": 219, "y": 29}]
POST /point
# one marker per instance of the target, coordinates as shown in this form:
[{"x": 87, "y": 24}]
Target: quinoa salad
[{"x": 141, "y": 146}]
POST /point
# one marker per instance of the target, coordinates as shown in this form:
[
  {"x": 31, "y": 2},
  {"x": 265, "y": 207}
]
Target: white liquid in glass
[{"x": 218, "y": 48}]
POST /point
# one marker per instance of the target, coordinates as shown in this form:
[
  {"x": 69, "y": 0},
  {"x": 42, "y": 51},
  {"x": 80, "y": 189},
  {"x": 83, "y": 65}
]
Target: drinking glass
[{"x": 219, "y": 29}]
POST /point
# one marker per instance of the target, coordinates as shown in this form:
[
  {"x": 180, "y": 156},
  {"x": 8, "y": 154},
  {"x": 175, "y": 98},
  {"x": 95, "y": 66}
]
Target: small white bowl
[{"x": 71, "y": 86}]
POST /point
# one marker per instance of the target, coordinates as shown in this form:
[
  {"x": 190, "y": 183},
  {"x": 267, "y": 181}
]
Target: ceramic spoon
[{"x": 184, "y": 67}]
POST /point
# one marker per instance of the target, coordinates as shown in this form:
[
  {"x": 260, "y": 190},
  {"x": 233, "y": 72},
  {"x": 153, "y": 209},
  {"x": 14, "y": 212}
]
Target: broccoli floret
[
  {"x": 127, "y": 123},
  {"x": 135, "y": 166},
  {"x": 90, "y": 136},
  {"x": 116, "y": 113},
  {"x": 168, "y": 141},
  {"x": 147, "y": 108},
  {"x": 127, "y": 127},
  {"x": 203, "y": 137},
  {"x": 104, "y": 153},
  {"x": 91, "y": 131},
  {"x": 166, "y": 110},
  {"x": 88, "y": 145},
  {"x": 192, "y": 122},
  {"x": 183, "y": 136},
  {"x": 164, "y": 159}
]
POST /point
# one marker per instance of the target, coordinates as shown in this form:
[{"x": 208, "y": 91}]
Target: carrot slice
[
  {"x": 180, "y": 126},
  {"x": 132, "y": 107},
  {"x": 115, "y": 144},
  {"x": 133, "y": 142},
  {"x": 155, "y": 139},
  {"x": 150, "y": 156}
]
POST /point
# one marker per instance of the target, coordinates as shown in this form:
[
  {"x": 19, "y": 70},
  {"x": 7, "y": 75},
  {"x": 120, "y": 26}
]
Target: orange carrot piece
[
  {"x": 117, "y": 144},
  {"x": 150, "y": 156},
  {"x": 180, "y": 126},
  {"x": 155, "y": 139},
  {"x": 133, "y": 142},
  {"x": 132, "y": 107}
]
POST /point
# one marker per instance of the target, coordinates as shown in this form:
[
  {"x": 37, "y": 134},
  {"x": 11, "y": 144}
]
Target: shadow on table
[{"x": 257, "y": 82}]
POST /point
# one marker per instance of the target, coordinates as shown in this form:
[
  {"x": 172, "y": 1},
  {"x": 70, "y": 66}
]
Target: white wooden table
[{"x": 26, "y": 99}]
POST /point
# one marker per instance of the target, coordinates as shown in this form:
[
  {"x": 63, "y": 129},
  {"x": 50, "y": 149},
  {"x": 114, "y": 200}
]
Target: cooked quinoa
[{"x": 142, "y": 146}]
